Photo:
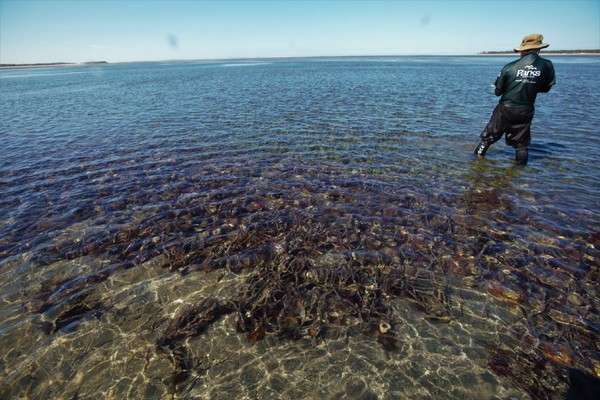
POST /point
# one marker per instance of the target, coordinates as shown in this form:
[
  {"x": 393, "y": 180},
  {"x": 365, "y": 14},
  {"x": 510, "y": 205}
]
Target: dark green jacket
[{"x": 520, "y": 81}]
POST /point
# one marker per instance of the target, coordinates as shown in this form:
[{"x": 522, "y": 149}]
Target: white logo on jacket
[{"x": 529, "y": 71}]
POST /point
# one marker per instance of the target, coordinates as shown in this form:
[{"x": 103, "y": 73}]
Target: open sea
[{"x": 297, "y": 229}]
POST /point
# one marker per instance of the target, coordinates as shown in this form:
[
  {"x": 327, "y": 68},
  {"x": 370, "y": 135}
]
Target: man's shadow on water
[
  {"x": 490, "y": 189},
  {"x": 493, "y": 186}
]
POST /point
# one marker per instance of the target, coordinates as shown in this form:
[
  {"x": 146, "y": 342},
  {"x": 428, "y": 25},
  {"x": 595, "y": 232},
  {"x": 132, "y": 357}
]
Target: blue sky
[{"x": 129, "y": 30}]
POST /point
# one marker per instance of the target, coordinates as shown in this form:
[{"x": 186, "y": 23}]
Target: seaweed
[
  {"x": 320, "y": 250},
  {"x": 190, "y": 322},
  {"x": 529, "y": 372}
]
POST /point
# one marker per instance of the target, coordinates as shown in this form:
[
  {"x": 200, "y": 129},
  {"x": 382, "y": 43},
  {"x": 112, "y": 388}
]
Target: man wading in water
[{"x": 519, "y": 83}]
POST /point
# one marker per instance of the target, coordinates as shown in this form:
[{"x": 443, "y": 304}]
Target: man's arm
[
  {"x": 549, "y": 81},
  {"x": 500, "y": 83}
]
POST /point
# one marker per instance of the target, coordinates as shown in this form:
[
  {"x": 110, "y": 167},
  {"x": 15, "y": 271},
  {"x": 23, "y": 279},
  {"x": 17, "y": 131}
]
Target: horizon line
[{"x": 486, "y": 53}]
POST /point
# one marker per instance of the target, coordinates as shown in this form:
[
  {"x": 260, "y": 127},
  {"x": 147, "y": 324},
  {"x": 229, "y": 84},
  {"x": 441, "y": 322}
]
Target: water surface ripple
[{"x": 297, "y": 228}]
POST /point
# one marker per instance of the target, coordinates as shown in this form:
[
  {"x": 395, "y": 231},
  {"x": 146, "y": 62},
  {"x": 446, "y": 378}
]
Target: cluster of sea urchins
[
  {"x": 304, "y": 276},
  {"x": 321, "y": 249}
]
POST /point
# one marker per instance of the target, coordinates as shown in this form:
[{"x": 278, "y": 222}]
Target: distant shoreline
[
  {"x": 543, "y": 54},
  {"x": 53, "y": 64},
  {"x": 582, "y": 52}
]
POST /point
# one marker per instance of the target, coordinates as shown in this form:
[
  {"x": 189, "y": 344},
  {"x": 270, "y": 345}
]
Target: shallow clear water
[{"x": 321, "y": 198}]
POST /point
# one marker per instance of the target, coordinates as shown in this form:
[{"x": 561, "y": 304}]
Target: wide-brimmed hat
[{"x": 532, "y": 42}]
